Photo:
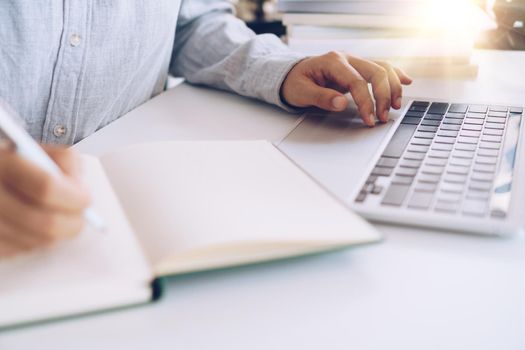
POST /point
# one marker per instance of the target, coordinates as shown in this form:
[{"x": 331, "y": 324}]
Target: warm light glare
[{"x": 457, "y": 17}]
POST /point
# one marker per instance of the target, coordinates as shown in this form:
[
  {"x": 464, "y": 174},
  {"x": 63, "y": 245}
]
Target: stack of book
[{"x": 424, "y": 37}]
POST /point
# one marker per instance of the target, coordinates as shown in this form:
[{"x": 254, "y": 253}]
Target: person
[{"x": 70, "y": 67}]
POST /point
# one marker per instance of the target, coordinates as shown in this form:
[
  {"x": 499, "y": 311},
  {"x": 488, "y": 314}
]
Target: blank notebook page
[
  {"x": 94, "y": 270},
  {"x": 181, "y": 196}
]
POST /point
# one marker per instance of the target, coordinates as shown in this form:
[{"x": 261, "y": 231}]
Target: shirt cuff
[{"x": 272, "y": 70}]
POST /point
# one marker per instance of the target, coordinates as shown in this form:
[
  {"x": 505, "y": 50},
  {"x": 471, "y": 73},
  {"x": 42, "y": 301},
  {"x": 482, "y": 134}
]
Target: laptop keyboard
[{"x": 456, "y": 159}]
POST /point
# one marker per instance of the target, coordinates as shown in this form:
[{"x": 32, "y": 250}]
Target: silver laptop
[{"x": 442, "y": 165}]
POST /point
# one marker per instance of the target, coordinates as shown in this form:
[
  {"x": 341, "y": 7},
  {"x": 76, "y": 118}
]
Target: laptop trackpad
[{"x": 335, "y": 148}]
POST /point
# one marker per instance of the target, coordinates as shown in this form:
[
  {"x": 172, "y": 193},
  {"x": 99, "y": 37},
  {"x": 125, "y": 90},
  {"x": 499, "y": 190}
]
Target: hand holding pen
[{"x": 41, "y": 196}]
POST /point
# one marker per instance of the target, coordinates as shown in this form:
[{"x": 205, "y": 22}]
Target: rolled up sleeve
[{"x": 213, "y": 47}]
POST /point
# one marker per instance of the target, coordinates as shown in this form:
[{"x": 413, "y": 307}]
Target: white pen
[{"x": 27, "y": 148}]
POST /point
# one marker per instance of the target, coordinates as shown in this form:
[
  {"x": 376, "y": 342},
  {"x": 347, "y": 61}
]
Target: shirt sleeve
[{"x": 215, "y": 48}]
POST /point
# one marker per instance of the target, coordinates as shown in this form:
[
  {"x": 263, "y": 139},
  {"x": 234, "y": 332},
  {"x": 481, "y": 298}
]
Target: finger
[
  {"x": 403, "y": 77},
  {"x": 378, "y": 77},
  {"x": 311, "y": 94},
  {"x": 13, "y": 240},
  {"x": 44, "y": 223},
  {"x": 343, "y": 74},
  {"x": 396, "y": 90},
  {"x": 65, "y": 158},
  {"x": 38, "y": 187}
]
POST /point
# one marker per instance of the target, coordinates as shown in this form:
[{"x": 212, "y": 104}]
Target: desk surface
[{"x": 418, "y": 290}]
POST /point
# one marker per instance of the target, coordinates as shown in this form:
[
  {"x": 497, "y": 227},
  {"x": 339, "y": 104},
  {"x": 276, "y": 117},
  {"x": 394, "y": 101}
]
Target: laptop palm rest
[{"x": 335, "y": 148}]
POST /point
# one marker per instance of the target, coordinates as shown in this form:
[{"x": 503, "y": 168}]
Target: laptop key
[
  {"x": 449, "y": 197},
  {"x": 458, "y": 108},
  {"x": 516, "y": 110},
  {"x": 455, "y": 178},
  {"x": 478, "y": 109},
  {"x": 436, "y": 161},
  {"x": 455, "y": 115},
  {"x": 425, "y": 128},
  {"x": 395, "y": 195},
  {"x": 472, "y": 127},
  {"x": 421, "y": 103},
  {"x": 443, "y": 139},
  {"x": 377, "y": 189},
  {"x": 438, "y": 154},
  {"x": 456, "y": 169},
  {"x": 450, "y": 127},
  {"x": 492, "y": 138},
  {"x": 402, "y": 180},
  {"x": 466, "y": 146},
  {"x": 410, "y": 120},
  {"x": 431, "y": 169},
  {"x": 482, "y": 176},
  {"x": 419, "y": 149},
  {"x": 489, "y": 145},
  {"x": 446, "y": 207},
  {"x": 488, "y": 152},
  {"x": 387, "y": 162},
  {"x": 453, "y": 121},
  {"x": 461, "y": 162},
  {"x": 406, "y": 172},
  {"x": 480, "y": 185},
  {"x": 447, "y": 133},
  {"x": 420, "y": 200},
  {"x": 430, "y": 116},
  {"x": 418, "y": 108},
  {"x": 421, "y": 142},
  {"x": 474, "y": 207},
  {"x": 498, "y": 126},
  {"x": 380, "y": 171},
  {"x": 474, "y": 121},
  {"x": 476, "y": 115},
  {"x": 496, "y": 120},
  {"x": 399, "y": 141},
  {"x": 424, "y": 135},
  {"x": 498, "y": 109},
  {"x": 452, "y": 187},
  {"x": 442, "y": 147},
  {"x": 497, "y": 114},
  {"x": 429, "y": 178},
  {"x": 425, "y": 187},
  {"x": 478, "y": 195},
  {"x": 429, "y": 122},
  {"x": 438, "y": 108},
  {"x": 484, "y": 168},
  {"x": 371, "y": 179},
  {"x": 410, "y": 164},
  {"x": 462, "y": 154},
  {"x": 414, "y": 156},
  {"x": 471, "y": 140},
  {"x": 470, "y": 133},
  {"x": 493, "y": 132},
  {"x": 486, "y": 160},
  {"x": 415, "y": 114}
]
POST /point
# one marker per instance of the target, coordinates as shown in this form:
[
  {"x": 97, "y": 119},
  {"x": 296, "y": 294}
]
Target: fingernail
[
  {"x": 398, "y": 102},
  {"x": 371, "y": 120},
  {"x": 339, "y": 103},
  {"x": 384, "y": 116}
]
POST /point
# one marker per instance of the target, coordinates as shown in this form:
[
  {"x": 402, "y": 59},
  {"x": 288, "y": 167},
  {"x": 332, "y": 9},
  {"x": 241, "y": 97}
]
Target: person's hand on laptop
[
  {"x": 322, "y": 81},
  {"x": 37, "y": 209}
]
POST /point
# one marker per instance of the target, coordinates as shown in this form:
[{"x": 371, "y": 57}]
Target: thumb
[{"x": 324, "y": 98}]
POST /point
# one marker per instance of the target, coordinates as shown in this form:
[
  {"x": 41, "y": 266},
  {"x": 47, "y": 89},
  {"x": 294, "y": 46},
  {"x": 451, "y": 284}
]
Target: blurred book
[
  {"x": 425, "y": 37},
  {"x": 354, "y": 7}
]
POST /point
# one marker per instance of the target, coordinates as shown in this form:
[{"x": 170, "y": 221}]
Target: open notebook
[{"x": 171, "y": 208}]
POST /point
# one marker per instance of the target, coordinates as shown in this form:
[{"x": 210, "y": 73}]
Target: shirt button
[
  {"x": 75, "y": 39},
  {"x": 59, "y": 130}
]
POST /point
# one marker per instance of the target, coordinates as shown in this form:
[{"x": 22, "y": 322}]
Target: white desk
[{"x": 418, "y": 290}]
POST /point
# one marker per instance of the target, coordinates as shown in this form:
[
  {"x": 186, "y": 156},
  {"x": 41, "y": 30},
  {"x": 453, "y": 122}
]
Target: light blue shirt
[{"x": 70, "y": 67}]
